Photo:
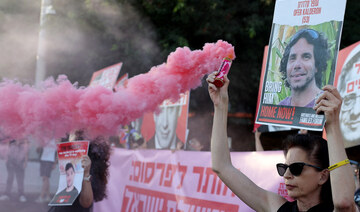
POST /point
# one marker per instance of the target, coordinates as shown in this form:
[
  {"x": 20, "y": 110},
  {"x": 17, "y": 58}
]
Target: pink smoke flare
[{"x": 60, "y": 107}]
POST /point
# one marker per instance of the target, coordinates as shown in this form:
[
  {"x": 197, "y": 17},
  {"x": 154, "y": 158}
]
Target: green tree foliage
[
  {"x": 351, "y": 33},
  {"x": 245, "y": 24},
  {"x": 87, "y": 35}
]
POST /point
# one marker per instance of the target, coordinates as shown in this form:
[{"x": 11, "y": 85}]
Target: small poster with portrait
[
  {"x": 347, "y": 81},
  {"x": 71, "y": 172},
  {"x": 301, "y": 60}
]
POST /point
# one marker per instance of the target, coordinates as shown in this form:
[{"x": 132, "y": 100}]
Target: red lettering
[
  {"x": 209, "y": 173},
  {"x": 140, "y": 199},
  {"x": 199, "y": 170},
  {"x": 167, "y": 174},
  {"x": 170, "y": 171},
  {"x": 293, "y": 113},
  {"x": 314, "y": 3},
  {"x": 358, "y": 67},
  {"x": 312, "y": 11},
  {"x": 282, "y": 191},
  {"x": 303, "y": 4},
  {"x": 182, "y": 170},
  {"x": 306, "y": 19},
  {"x": 350, "y": 87},
  {"x": 136, "y": 171},
  {"x": 268, "y": 111},
  {"x": 297, "y": 12},
  {"x": 149, "y": 172},
  {"x": 204, "y": 183},
  {"x": 284, "y": 113},
  {"x": 161, "y": 166}
]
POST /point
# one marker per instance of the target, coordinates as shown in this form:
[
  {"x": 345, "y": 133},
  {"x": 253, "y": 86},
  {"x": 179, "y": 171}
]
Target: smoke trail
[
  {"x": 106, "y": 33},
  {"x": 60, "y": 107}
]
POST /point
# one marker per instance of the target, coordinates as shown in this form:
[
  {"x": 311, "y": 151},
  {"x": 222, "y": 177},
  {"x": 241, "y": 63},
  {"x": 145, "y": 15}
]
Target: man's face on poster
[
  {"x": 166, "y": 123},
  {"x": 350, "y": 109},
  {"x": 301, "y": 68},
  {"x": 70, "y": 174}
]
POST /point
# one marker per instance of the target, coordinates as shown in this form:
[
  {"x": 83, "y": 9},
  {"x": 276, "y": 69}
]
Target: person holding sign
[
  {"x": 302, "y": 66},
  {"x": 306, "y": 169},
  {"x": 95, "y": 176}
]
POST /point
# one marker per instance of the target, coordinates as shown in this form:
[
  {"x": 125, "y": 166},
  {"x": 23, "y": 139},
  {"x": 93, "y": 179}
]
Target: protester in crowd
[
  {"x": 135, "y": 139},
  {"x": 47, "y": 164},
  {"x": 195, "y": 144},
  {"x": 258, "y": 145},
  {"x": 95, "y": 177},
  {"x": 198, "y": 138},
  {"x": 302, "y": 66},
  {"x": 308, "y": 178},
  {"x": 16, "y": 162}
]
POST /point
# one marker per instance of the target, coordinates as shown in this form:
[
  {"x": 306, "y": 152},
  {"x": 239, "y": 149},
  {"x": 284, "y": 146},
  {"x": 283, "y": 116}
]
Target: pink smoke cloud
[{"x": 60, "y": 107}]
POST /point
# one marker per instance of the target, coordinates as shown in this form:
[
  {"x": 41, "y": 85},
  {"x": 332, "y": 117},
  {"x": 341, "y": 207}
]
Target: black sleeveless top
[{"x": 292, "y": 207}]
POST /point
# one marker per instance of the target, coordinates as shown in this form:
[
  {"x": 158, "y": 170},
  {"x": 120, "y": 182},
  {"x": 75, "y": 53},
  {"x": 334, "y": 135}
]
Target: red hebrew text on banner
[
  {"x": 162, "y": 180},
  {"x": 139, "y": 199}
]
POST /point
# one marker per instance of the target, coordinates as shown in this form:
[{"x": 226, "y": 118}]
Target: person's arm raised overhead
[
  {"x": 341, "y": 178},
  {"x": 86, "y": 197},
  {"x": 258, "y": 145},
  {"x": 251, "y": 194}
]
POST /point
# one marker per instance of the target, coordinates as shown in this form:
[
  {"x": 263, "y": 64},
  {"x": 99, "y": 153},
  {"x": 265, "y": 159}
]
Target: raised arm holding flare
[{"x": 305, "y": 170}]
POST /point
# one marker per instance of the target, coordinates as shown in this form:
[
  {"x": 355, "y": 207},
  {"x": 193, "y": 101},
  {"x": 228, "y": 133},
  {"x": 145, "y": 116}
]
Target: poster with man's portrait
[
  {"x": 302, "y": 56},
  {"x": 167, "y": 128},
  {"x": 71, "y": 172},
  {"x": 263, "y": 127},
  {"x": 347, "y": 81}
]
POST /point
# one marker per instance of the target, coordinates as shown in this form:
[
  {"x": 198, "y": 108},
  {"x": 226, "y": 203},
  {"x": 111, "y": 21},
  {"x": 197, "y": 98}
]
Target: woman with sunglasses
[{"x": 306, "y": 175}]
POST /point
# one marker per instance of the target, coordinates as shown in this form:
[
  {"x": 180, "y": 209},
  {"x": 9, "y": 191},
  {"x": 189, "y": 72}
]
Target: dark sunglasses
[{"x": 295, "y": 168}]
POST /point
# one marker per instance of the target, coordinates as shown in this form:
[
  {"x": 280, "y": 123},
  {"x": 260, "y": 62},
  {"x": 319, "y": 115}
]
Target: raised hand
[
  {"x": 219, "y": 96},
  {"x": 329, "y": 102},
  {"x": 86, "y": 164}
]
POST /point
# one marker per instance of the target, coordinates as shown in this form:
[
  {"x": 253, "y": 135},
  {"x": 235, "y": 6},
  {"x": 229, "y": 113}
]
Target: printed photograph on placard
[
  {"x": 71, "y": 172},
  {"x": 347, "y": 81},
  {"x": 302, "y": 56},
  {"x": 167, "y": 128}
]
